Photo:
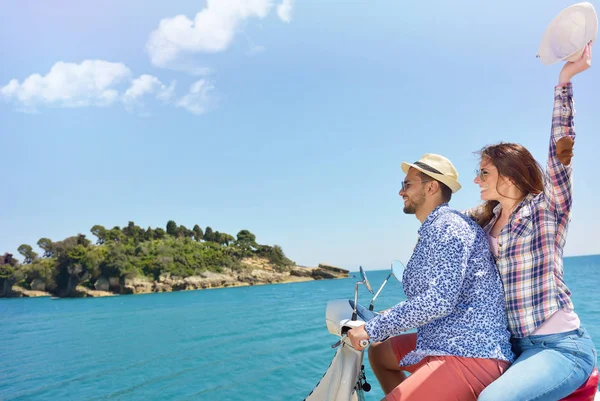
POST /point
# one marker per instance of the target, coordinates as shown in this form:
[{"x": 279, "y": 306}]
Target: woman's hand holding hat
[
  {"x": 572, "y": 68},
  {"x": 568, "y": 34}
]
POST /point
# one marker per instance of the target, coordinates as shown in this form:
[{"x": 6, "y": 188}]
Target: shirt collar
[
  {"x": 497, "y": 209},
  {"x": 433, "y": 215},
  {"x": 523, "y": 209}
]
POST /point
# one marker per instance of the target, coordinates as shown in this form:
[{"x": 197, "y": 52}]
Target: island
[{"x": 134, "y": 260}]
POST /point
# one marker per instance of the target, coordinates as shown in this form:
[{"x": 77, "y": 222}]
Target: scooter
[{"x": 345, "y": 378}]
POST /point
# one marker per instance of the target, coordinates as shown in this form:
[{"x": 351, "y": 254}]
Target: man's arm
[{"x": 448, "y": 256}]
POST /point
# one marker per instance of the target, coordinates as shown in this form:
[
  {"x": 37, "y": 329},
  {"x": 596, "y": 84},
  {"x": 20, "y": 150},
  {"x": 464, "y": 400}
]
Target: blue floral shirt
[{"x": 454, "y": 294}]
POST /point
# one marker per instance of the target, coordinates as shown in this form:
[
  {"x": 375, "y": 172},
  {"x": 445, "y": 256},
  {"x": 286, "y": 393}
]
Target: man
[{"x": 454, "y": 300}]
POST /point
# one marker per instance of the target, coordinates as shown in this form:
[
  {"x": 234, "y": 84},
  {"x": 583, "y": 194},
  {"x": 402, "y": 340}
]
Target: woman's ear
[{"x": 506, "y": 180}]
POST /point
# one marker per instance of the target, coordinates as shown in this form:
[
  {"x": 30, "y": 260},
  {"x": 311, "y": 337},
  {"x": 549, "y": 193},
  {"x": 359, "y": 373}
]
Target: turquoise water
[{"x": 248, "y": 343}]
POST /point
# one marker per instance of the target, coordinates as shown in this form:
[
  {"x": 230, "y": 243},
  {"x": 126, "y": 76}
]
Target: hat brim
[
  {"x": 453, "y": 184},
  {"x": 545, "y": 53}
]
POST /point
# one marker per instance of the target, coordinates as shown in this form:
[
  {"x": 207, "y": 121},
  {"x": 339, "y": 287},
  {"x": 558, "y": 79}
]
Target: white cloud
[
  {"x": 200, "y": 97},
  {"x": 284, "y": 10},
  {"x": 212, "y": 30},
  {"x": 147, "y": 85},
  {"x": 69, "y": 85},
  {"x": 90, "y": 83}
]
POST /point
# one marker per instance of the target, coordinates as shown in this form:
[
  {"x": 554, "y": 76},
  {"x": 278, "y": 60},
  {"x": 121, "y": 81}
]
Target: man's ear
[{"x": 435, "y": 187}]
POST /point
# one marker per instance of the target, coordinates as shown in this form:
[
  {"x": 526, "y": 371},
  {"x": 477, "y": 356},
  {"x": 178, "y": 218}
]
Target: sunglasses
[
  {"x": 482, "y": 174},
  {"x": 407, "y": 185}
]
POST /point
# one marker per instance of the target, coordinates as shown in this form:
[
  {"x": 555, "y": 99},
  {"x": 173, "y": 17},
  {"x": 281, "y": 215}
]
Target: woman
[{"x": 526, "y": 217}]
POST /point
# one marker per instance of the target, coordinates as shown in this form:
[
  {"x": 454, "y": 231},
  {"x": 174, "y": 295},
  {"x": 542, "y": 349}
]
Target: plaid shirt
[{"x": 530, "y": 246}]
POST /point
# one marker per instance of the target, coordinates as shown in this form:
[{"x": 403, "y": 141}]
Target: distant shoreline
[{"x": 208, "y": 280}]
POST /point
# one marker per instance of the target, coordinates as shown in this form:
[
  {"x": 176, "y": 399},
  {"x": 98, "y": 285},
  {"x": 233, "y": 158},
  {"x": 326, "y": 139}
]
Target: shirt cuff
[
  {"x": 370, "y": 330},
  {"x": 564, "y": 89}
]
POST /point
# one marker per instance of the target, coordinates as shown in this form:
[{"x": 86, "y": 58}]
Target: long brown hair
[{"x": 516, "y": 163}]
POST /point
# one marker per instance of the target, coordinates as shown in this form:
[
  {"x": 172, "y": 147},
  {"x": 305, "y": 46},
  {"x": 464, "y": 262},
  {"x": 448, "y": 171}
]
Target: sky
[{"x": 288, "y": 118}]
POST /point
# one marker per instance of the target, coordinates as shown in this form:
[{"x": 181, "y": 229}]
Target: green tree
[
  {"x": 130, "y": 230},
  {"x": 274, "y": 254},
  {"x": 62, "y": 247},
  {"x": 82, "y": 240},
  {"x": 226, "y": 239},
  {"x": 47, "y": 246},
  {"x": 93, "y": 259},
  {"x": 149, "y": 234},
  {"x": 222, "y": 238},
  {"x": 172, "y": 228},
  {"x": 9, "y": 273},
  {"x": 247, "y": 238},
  {"x": 117, "y": 263},
  {"x": 115, "y": 235},
  {"x": 7, "y": 259},
  {"x": 42, "y": 269},
  {"x": 28, "y": 254},
  {"x": 72, "y": 264},
  {"x": 134, "y": 232},
  {"x": 198, "y": 234},
  {"x": 184, "y": 232},
  {"x": 77, "y": 253},
  {"x": 246, "y": 242},
  {"x": 159, "y": 233},
  {"x": 100, "y": 233},
  {"x": 209, "y": 234}
]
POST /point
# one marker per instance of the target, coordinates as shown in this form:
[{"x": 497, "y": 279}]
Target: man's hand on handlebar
[{"x": 359, "y": 337}]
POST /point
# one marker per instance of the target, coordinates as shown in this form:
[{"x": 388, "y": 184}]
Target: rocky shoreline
[{"x": 258, "y": 272}]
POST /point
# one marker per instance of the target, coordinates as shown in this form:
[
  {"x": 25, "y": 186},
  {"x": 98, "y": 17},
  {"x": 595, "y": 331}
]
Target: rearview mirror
[
  {"x": 365, "y": 280},
  {"x": 398, "y": 270}
]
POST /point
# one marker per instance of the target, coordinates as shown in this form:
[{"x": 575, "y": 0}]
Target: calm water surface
[{"x": 247, "y": 343}]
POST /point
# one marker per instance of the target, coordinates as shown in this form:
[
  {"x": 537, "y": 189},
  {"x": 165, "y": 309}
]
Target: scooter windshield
[{"x": 363, "y": 312}]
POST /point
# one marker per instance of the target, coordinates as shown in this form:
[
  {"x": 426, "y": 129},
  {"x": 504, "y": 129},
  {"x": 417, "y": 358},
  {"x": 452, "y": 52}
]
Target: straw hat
[
  {"x": 437, "y": 167},
  {"x": 568, "y": 33}
]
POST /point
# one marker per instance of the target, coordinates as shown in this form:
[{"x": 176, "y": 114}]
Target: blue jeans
[{"x": 548, "y": 368}]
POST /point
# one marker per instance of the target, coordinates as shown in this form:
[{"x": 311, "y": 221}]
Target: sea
[{"x": 264, "y": 343}]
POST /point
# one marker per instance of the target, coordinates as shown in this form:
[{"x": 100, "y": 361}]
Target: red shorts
[{"x": 442, "y": 378}]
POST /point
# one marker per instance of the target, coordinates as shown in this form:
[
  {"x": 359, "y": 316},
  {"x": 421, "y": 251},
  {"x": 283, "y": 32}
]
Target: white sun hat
[
  {"x": 437, "y": 167},
  {"x": 568, "y": 33}
]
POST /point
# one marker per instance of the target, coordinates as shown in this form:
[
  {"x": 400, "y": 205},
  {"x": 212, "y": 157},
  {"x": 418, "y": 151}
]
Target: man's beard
[{"x": 411, "y": 207}]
